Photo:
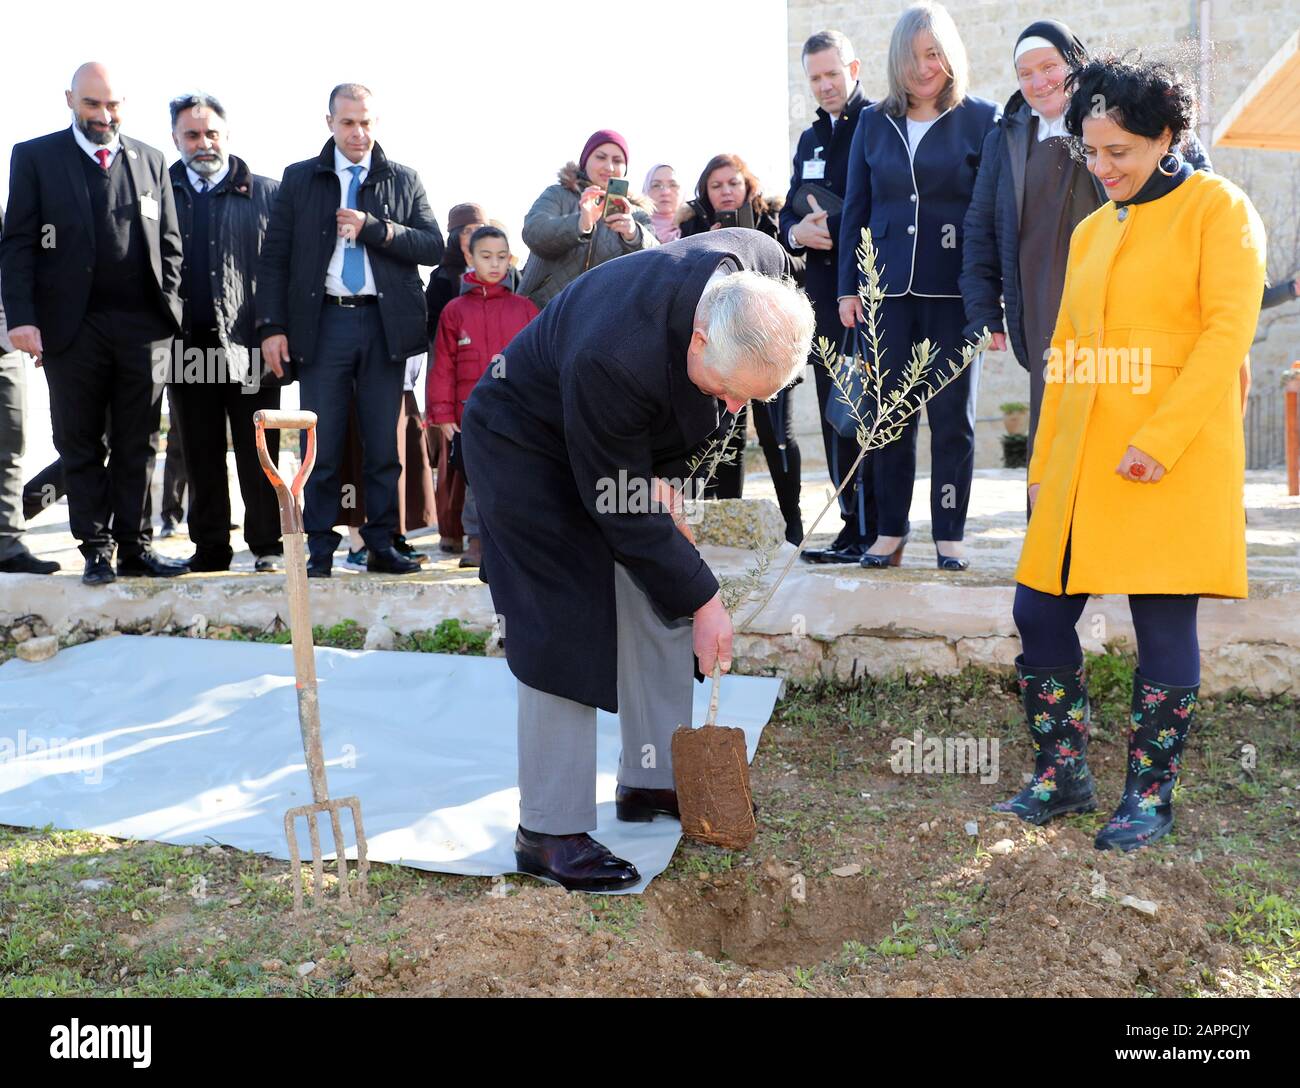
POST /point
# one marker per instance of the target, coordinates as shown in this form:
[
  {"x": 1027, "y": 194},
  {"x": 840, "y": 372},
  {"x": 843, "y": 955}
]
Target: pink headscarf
[{"x": 665, "y": 231}]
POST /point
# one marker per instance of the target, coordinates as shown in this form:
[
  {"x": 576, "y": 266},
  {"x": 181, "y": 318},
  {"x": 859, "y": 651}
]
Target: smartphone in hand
[
  {"x": 616, "y": 197},
  {"x": 737, "y": 217}
]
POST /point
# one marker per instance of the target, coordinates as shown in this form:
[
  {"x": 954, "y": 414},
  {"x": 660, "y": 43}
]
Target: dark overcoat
[
  {"x": 822, "y": 142},
  {"x": 300, "y": 239},
  {"x": 589, "y": 398}
]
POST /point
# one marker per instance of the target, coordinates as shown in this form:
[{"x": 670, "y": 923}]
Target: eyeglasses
[{"x": 660, "y": 186}]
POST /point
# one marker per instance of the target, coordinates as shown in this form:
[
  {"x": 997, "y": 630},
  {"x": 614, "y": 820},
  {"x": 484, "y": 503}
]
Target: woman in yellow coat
[{"x": 1137, "y": 474}]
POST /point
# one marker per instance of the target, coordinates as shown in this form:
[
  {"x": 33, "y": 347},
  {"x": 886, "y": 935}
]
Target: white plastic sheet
[{"x": 191, "y": 741}]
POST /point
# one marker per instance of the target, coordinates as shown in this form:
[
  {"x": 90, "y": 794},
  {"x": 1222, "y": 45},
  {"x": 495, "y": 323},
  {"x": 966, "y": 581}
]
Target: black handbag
[{"x": 852, "y": 382}]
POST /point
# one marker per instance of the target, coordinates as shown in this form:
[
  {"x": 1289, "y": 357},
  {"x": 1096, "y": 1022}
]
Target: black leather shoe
[
  {"x": 871, "y": 561},
  {"x": 320, "y": 566},
  {"x": 577, "y": 863},
  {"x": 210, "y": 561},
  {"x": 26, "y": 563},
  {"x": 149, "y": 564},
  {"x": 638, "y": 805},
  {"x": 268, "y": 564},
  {"x": 167, "y": 529},
  {"x": 389, "y": 561},
  {"x": 98, "y": 572}
]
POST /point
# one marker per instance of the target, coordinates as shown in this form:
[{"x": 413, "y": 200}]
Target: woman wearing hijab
[
  {"x": 1137, "y": 474},
  {"x": 567, "y": 230},
  {"x": 665, "y": 192}
]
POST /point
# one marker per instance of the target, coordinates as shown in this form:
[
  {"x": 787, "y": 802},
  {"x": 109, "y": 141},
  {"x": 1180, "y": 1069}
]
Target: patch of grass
[
  {"x": 1265, "y": 923},
  {"x": 618, "y": 914},
  {"x": 449, "y": 637}
]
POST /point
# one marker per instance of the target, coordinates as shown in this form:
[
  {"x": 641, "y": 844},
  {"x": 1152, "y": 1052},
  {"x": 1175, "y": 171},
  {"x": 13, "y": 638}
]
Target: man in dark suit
[
  {"x": 822, "y": 160},
  {"x": 604, "y": 601},
  {"x": 339, "y": 294},
  {"x": 91, "y": 260},
  {"x": 218, "y": 377}
]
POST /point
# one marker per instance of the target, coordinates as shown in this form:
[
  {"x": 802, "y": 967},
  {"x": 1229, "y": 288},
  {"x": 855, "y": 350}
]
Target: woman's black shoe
[
  {"x": 577, "y": 863},
  {"x": 638, "y": 805},
  {"x": 950, "y": 562},
  {"x": 871, "y": 561}
]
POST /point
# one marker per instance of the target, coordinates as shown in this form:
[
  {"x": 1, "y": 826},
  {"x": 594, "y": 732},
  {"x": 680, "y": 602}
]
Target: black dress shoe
[
  {"x": 98, "y": 572},
  {"x": 320, "y": 566},
  {"x": 210, "y": 561},
  {"x": 577, "y": 863},
  {"x": 389, "y": 561},
  {"x": 168, "y": 529},
  {"x": 149, "y": 564},
  {"x": 26, "y": 563},
  {"x": 268, "y": 564},
  {"x": 639, "y": 805}
]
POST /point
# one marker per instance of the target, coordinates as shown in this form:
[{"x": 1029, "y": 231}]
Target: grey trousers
[
  {"x": 13, "y": 402},
  {"x": 469, "y": 515},
  {"x": 557, "y": 736}
]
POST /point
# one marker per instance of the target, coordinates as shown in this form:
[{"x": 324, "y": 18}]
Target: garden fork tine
[{"x": 304, "y": 662}]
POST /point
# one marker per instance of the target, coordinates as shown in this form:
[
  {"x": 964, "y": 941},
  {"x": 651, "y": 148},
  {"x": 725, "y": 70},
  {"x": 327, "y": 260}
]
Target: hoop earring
[{"x": 1173, "y": 157}]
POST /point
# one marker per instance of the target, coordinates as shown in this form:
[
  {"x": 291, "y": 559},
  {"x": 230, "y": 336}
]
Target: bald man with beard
[{"x": 90, "y": 270}]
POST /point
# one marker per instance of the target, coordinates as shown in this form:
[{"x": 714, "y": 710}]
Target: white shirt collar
[
  {"x": 213, "y": 181},
  {"x": 112, "y": 147},
  {"x": 1048, "y": 128},
  {"x": 342, "y": 165}
]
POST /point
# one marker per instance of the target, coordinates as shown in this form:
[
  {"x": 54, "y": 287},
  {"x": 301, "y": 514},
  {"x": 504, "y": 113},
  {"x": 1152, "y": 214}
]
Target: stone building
[{"x": 1221, "y": 43}]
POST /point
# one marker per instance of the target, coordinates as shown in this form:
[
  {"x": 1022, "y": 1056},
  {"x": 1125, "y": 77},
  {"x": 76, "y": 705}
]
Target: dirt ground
[{"x": 861, "y": 881}]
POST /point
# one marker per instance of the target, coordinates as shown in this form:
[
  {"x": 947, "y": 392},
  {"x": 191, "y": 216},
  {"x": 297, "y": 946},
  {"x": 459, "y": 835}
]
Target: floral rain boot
[
  {"x": 1056, "y": 708},
  {"x": 1162, "y": 718}
]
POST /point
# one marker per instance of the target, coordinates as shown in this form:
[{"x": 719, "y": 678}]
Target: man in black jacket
[
  {"x": 822, "y": 161},
  {"x": 603, "y": 598},
  {"x": 339, "y": 293},
  {"x": 217, "y": 372},
  {"x": 91, "y": 260}
]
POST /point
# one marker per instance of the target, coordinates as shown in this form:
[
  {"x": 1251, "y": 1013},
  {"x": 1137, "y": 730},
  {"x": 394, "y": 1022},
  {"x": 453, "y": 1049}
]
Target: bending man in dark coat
[{"x": 602, "y": 598}]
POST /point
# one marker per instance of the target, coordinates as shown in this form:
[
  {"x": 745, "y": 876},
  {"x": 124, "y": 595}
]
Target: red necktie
[{"x": 102, "y": 155}]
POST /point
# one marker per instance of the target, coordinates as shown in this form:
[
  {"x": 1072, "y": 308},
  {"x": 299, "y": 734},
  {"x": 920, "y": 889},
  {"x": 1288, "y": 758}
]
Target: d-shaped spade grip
[{"x": 288, "y": 494}]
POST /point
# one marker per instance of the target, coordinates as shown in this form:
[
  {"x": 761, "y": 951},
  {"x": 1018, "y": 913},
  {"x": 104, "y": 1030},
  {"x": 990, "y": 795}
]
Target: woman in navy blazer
[{"x": 912, "y": 171}]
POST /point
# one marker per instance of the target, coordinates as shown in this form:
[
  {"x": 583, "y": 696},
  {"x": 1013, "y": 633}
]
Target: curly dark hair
[{"x": 1142, "y": 96}]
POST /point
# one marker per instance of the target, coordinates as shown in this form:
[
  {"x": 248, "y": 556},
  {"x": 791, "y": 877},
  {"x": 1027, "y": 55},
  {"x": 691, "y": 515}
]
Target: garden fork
[{"x": 304, "y": 663}]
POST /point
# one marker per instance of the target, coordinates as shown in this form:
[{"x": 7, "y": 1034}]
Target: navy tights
[{"x": 1168, "y": 651}]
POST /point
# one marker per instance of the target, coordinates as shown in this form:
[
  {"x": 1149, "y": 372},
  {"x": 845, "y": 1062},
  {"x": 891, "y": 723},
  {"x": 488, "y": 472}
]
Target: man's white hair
[{"x": 758, "y": 323}]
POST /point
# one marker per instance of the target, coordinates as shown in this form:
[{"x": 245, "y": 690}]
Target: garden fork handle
[{"x": 288, "y": 494}]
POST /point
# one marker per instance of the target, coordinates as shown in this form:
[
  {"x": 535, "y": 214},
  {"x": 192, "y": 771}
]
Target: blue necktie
[{"x": 354, "y": 260}]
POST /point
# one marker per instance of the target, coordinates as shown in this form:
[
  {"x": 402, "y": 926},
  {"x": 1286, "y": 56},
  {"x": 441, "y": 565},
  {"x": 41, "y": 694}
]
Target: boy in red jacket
[{"x": 472, "y": 331}]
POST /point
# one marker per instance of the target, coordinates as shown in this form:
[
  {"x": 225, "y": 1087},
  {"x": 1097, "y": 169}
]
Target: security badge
[
  {"x": 148, "y": 205},
  {"x": 814, "y": 169}
]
